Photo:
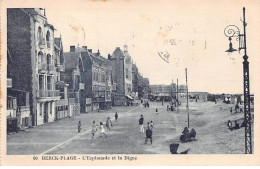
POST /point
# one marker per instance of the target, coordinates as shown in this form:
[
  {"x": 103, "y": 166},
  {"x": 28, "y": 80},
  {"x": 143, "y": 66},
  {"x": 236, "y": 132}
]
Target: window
[
  {"x": 41, "y": 107},
  {"x": 41, "y": 82},
  {"x": 49, "y": 84},
  {"x": 9, "y": 102},
  {"x": 126, "y": 73},
  {"x": 48, "y": 39},
  {"x": 40, "y": 36},
  {"x": 93, "y": 76},
  {"x": 51, "y": 108}
]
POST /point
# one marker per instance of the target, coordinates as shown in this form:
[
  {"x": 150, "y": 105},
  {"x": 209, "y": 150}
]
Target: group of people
[
  {"x": 101, "y": 127},
  {"x": 146, "y": 104},
  {"x": 149, "y": 129},
  {"x": 237, "y": 109},
  {"x": 231, "y": 127}
]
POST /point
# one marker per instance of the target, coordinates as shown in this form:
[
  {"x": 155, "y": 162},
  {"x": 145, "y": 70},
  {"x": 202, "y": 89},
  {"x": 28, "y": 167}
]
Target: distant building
[
  {"x": 73, "y": 75},
  {"x": 161, "y": 90},
  {"x": 118, "y": 76},
  {"x": 94, "y": 73},
  {"x": 146, "y": 85},
  {"x": 128, "y": 76},
  {"x": 135, "y": 78}
]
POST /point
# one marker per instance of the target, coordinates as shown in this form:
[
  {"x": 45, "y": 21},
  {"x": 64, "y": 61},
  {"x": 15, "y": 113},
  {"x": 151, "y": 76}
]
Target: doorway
[{"x": 45, "y": 112}]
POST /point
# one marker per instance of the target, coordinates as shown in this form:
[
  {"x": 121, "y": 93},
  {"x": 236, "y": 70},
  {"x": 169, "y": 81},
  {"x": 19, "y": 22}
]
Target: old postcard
[{"x": 127, "y": 82}]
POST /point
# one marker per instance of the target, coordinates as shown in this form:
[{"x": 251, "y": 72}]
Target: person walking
[
  {"x": 108, "y": 123},
  {"x": 156, "y": 111},
  {"x": 151, "y": 125},
  {"x": 79, "y": 126},
  {"x": 102, "y": 130},
  {"x": 141, "y": 124},
  {"x": 148, "y": 124},
  {"x": 149, "y": 134},
  {"x": 94, "y": 129},
  {"x": 231, "y": 110},
  {"x": 116, "y": 116}
]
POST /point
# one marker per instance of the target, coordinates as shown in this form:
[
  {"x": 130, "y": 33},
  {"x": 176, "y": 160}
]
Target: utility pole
[
  {"x": 187, "y": 106},
  {"x": 177, "y": 97}
]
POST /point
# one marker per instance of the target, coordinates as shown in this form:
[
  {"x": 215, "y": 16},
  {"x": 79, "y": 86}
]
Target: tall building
[
  {"x": 128, "y": 74},
  {"x": 118, "y": 76},
  {"x": 135, "y": 78},
  {"x": 31, "y": 63},
  {"x": 89, "y": 75}
]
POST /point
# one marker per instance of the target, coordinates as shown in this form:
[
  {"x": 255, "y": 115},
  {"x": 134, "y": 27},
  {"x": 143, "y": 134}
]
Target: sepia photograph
[{"x": 104, "y": 80}]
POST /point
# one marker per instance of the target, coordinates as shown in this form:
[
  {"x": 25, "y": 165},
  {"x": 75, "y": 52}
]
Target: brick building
[
  {"x": 30, "y": 41},
  {"x": 73, "y": 75},
  {"x": 118, "y": 76}
]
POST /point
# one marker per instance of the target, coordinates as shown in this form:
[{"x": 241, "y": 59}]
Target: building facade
[
  {"x": 118, "y": 77},
  {"x": 30, "y": 41},
  {"x": 128, "y": 75}
]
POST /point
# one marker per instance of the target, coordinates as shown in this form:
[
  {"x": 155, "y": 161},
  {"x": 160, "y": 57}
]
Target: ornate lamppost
[{"x": 233, "y": 31}]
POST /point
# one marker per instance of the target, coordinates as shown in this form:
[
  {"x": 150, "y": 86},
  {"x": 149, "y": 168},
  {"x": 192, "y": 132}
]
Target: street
[{"x": 61, "y": 137}]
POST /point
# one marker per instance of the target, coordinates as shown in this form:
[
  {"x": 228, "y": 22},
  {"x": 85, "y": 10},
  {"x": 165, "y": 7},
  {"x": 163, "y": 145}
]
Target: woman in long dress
[{"x": 102, "y": 130}]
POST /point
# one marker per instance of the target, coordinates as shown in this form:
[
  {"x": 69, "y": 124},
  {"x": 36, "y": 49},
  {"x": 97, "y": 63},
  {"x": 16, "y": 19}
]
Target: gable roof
[
  {"x": 118, "y": 53},
  {"x": 71, "y": 59}
]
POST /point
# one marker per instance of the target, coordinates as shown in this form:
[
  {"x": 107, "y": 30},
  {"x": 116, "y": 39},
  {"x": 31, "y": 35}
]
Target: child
[
  {"x": 94, "y": 129},
  {"x": 156, "y": 110},
  {"x": 116, "y": 116},
  {"x": 108, "y": 123},
  {"x": 151, "y": 125},
  {"x": 102, "y": 130},
  {"x": 79, "y": 126}
]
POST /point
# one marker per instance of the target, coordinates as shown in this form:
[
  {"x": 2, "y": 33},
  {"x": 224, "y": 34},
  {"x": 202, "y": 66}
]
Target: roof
[
  {"x": 118, "y": 53},
  {"x": 57, "y": 41},
  {"x": 71, "y": 59}
]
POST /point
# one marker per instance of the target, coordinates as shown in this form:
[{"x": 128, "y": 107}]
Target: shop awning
[{"x": 129, "y": 97}]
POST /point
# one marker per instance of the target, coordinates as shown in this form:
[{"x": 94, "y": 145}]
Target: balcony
[
  {"x": 60, "y": 68},
  {"x": 41, "y": 43},
  {"x": 9, "y": 83},
  {"x": 51, "y": 68},
  {"x": 74, "y": 95},
  {"x": 81, "y": 86},
  {"x": 48, "y": 93}
]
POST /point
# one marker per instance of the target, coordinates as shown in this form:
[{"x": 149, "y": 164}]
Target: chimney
[
  {"x": 90, "y": 50},
  {"x": 72, "y": 48},
  {"x": 109, "y": 56},
  {"x": 85, "y": 48},
  {"x": 125, "y": 48}
]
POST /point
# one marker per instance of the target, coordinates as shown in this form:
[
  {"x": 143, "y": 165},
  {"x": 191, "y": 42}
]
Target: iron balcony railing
[
  {"x": 9, "y": 82},
  {"x": 50, "y": 67},
  {"x": 48, "y": 93}
]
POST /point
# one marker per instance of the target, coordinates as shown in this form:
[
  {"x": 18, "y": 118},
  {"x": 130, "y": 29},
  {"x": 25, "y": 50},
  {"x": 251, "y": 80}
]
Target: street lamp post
[
  {"x": 187, "y": 95},
  {"x": 233, "y": 31}
]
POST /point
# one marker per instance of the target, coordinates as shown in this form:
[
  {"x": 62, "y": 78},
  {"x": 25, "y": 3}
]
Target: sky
[{"x": 190, "y": 35}]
